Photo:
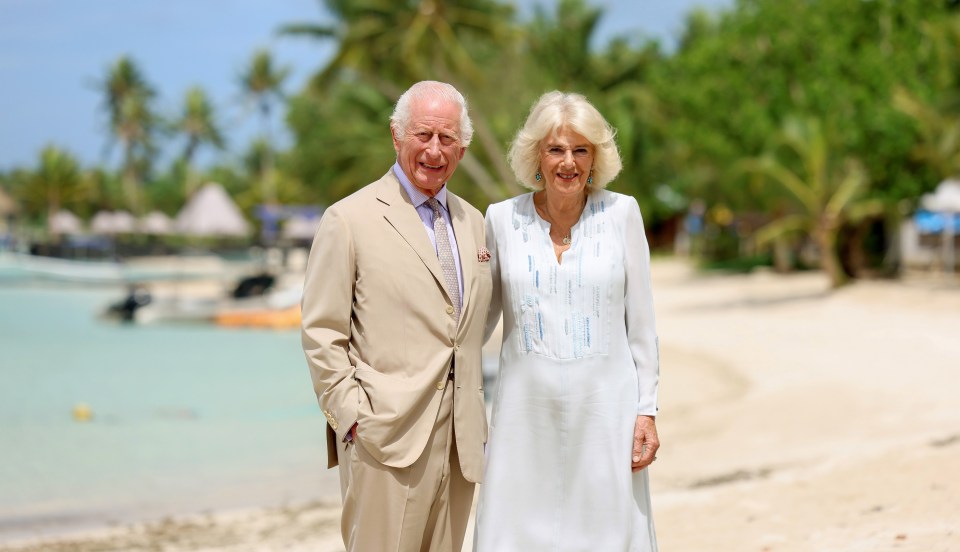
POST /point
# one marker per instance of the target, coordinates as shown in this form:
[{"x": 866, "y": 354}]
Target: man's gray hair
[{"x": 431, "y": 90}]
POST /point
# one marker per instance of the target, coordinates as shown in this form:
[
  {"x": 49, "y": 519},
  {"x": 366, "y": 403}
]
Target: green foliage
[
  {"x": 737, "y": 77},
  {"x": 828, "y": 191},
  {"x": 394, "y": 43},
  {"x": 55, "y": 184},
  {"x": 342, "y": 141},
  {"x": 133, "y": 121},
  {"x": 820, "y": 97},
  {"x": 262, "y": 81},
  {"x": 198, "y": 123},
  {"x": 738, "y": 264}
]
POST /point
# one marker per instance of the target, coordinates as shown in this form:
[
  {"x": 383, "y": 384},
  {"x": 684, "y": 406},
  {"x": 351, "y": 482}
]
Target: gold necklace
[{"x": 546, "y": 210}]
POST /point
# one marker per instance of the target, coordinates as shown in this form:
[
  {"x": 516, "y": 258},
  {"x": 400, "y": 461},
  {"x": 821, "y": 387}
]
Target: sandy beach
[{"x": 792, "y": 419}]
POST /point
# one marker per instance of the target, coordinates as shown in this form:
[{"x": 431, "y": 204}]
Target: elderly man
[{"x": 395, "y": 299}]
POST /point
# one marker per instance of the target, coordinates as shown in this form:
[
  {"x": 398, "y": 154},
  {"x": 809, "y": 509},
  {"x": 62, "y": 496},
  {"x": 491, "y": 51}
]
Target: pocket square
[{"x": 483, "y": 255}]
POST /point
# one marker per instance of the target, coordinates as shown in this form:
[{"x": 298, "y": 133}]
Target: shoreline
[
  {"x": 238, "y": 529},
  {"x": 792, "y": 418}
]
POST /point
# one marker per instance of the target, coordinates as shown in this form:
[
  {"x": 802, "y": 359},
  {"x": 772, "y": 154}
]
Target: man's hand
[
  {"x": 645, "y": 443},
  {"x": 351, "y": 436}
]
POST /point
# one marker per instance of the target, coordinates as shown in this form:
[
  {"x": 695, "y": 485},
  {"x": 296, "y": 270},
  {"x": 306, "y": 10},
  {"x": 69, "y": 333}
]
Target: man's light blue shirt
[{"x": 419, "y": 200}]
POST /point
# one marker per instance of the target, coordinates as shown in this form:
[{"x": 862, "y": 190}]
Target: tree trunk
[
  {"x": 829, "y": 260},
  {"x": 480, "y": 177},
  {"x": 131, "y": 186},
  {"x": 269, "y": 190},
  {"x": 782, "y": 256},
  {"x": 496, "y": 155}
]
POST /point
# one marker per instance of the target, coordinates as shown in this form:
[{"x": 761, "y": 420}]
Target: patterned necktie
[{"x": 445, "y": 254}]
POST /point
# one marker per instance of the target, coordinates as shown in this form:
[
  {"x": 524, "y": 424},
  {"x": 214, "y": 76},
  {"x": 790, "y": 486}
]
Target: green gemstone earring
[{"x": 537, "y": 176}]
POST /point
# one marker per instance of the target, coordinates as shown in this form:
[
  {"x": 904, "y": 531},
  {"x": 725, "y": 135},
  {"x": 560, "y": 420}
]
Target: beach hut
[
  {"x": 155, "y": 223},
  {"x": 124, "y": 222},
  {"x": 64, "y": 222},
  {"x": 211, "y": 212},
  {"x": 945, "y": 202},
  {"x": 102, "y": 223},
  {"x": 117, "y": 222}
]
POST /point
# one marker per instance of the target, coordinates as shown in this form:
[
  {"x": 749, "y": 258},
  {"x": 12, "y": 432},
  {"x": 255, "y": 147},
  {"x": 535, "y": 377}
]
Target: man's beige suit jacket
[{"x": 379, "y": 331}]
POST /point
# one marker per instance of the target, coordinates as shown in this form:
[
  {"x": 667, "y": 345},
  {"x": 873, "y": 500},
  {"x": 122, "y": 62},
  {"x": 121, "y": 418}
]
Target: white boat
[
  {"x": 16, "y": 266},
  {"x": 19, "y": 266}
]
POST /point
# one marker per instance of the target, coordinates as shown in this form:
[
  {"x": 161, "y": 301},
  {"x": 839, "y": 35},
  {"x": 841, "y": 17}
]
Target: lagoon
[{"x": 186, "y": 418}]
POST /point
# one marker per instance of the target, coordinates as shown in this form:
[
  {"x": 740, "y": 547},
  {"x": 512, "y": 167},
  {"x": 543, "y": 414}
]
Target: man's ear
[
  {"x": 396, "y": 141},
  {"x": 463, "y": 151}
]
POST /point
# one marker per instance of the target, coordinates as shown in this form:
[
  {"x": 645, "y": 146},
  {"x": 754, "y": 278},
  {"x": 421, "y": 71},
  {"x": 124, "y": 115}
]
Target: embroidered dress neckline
[{"x": 545, "y": 226}]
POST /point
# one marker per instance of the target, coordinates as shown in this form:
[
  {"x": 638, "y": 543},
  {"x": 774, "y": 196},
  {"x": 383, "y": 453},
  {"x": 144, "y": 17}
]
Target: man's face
[{"x": 428, "y": 150}]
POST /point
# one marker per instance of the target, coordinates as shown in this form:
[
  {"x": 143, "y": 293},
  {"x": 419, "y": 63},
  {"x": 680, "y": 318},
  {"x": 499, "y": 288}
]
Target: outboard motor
[
  {"x": 126, "y": 309},
  {"x": 254, "y": 286}
]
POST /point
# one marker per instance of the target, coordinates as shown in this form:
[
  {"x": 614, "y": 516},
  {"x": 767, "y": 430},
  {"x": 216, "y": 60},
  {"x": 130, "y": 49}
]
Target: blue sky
[{"x": 52, "y": 52}]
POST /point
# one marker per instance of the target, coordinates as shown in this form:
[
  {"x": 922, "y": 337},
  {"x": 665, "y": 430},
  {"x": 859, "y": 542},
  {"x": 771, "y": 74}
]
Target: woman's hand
[{"x": 645, "y": 443}]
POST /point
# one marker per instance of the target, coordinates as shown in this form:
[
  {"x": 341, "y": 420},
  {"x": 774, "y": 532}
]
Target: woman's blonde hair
[{"x": 556, "y": 110}]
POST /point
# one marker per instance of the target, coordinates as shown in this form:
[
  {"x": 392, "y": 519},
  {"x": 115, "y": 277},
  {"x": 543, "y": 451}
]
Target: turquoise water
[{"x": 185, "y": 418}]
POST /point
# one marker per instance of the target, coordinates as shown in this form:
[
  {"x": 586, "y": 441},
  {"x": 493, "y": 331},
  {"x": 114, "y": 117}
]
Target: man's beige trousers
[{"x": 421, "y": 508}]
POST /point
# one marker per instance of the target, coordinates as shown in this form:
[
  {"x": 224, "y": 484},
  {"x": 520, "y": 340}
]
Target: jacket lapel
[
  {"x": 402, "y": 215},
  {"x": 466, "y": 246}
]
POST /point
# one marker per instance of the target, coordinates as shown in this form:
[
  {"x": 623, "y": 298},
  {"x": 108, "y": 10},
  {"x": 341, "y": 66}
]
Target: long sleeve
[
  {"x": 496, "y": 302},
  {"x": 327, "y": 309},
  {"x": 638, "y": 303}
]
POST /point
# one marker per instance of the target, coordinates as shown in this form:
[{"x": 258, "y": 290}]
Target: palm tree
[
  {"x": 132, "y": 120},
  {"x": 198, "y": 123},
  {"x": 393, "y": 41},
  {"x": 938, "y": 144},
  {"x": 560, "y": 42},
  {"x": 262, "y": 81},
  {"x": 54, "y": 185},
  {"x": 124, "y": 79},
  {"x": 389, "y": 43},
  {"x": 828, "y": 193}
]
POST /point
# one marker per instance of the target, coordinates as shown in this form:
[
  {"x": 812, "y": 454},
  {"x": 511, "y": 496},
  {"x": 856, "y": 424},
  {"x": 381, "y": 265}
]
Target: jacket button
[
  {"x": 449, "y": 309},
  {"x": 441, "y": 384}
]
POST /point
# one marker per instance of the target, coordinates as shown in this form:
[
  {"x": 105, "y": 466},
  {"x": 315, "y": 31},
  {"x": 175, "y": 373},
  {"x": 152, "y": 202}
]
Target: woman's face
[{"x": 565, "y": 162}]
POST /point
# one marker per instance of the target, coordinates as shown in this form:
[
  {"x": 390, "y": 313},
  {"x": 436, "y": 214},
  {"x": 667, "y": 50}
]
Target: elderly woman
[{"x": 573, "y": 414}]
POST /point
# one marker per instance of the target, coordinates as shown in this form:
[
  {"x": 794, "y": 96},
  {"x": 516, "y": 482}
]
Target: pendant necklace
[{"x": 546, "y": 209}]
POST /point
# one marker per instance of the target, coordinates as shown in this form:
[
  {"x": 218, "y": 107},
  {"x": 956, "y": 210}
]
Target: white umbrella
[
  {"x": 118, "y": 222},
  {"x": 102, "y": 223},
  {"x": 156, "y": 223},
  {"x": 211, "y": 212},
  {"x": 124, "y": 222},
  {"x": 945, "y": 199},
  {"x": 64, "y": 222},
  {"x": 299, "y": 227}
]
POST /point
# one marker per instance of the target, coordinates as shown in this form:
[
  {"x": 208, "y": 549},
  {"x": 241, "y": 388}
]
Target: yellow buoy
[{"x": 82, "y": 413}]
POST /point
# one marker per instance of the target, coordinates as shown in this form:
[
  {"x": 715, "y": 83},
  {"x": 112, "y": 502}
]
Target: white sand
[{"x": 792, "y": 419}]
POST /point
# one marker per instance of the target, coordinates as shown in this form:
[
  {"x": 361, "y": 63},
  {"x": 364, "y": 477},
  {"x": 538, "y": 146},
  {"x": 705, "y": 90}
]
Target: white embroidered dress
[{"x": 579, "y": 362}]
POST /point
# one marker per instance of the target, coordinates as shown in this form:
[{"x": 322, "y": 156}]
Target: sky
[{"x": 54, "y": 52}]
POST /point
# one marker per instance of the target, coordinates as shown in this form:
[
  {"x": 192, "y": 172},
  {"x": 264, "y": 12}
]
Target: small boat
[
  {"x": 276, "y": 319},
  {"x": 254, "y": 302},
  {"x": 17, "y": 266},
  {"x": 20, "y": 266}
]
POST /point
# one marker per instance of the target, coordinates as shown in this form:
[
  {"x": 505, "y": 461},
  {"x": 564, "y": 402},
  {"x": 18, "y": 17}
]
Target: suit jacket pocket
[{"x": 395, "y": 416}]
